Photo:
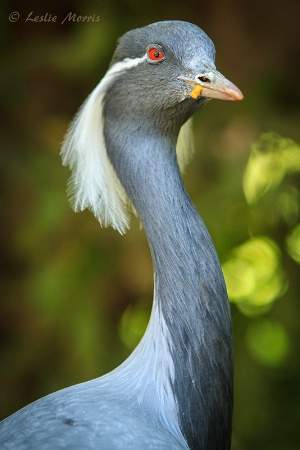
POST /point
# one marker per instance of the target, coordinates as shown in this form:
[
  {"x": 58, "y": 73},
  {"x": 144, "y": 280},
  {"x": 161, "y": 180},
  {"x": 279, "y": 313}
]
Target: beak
[{"x": 212, "y": 84}]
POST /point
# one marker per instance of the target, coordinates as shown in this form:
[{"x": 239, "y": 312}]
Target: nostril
[{"x": 204, "y": 79}]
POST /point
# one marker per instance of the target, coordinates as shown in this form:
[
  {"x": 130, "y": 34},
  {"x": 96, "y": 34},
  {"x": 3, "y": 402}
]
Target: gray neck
[{"x": 190, "y": 293}]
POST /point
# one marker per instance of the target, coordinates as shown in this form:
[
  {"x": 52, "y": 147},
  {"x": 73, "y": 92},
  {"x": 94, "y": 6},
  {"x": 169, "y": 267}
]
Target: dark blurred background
[{"x": 75, "y": 298}]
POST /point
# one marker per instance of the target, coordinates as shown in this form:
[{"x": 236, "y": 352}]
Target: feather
[
  {"x": 94, "y": 184},
  {"x": 185, "y": 145}
]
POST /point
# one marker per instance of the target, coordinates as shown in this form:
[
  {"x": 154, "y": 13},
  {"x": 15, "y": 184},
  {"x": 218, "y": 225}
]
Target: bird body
[{"x": 175, "y": 389}]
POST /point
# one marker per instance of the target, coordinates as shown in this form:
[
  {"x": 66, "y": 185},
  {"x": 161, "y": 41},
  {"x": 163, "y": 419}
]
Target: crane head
[
  {"x": 159, "y": 76},
  {"x": 173, "y": 63}
]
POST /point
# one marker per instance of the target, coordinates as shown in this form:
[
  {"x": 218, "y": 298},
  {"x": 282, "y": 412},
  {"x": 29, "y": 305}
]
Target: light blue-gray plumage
[{"x": 175, "y": 389}]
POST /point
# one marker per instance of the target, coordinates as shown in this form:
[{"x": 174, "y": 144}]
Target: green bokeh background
[{"x": 75, "y": 298}]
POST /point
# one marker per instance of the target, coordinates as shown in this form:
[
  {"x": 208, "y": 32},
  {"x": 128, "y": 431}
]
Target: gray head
[
  {"x": 176, "y": 73},
  {"x": 182, "y": 40},
  {"x": 160, "y": 75}
]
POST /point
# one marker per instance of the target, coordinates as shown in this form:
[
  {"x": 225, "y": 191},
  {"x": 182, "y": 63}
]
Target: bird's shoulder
[{"x": 85, "y": 417}]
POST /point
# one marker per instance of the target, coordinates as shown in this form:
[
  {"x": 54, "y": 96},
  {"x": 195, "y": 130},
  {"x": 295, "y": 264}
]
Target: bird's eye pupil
[{"x": 155, "y": 54}]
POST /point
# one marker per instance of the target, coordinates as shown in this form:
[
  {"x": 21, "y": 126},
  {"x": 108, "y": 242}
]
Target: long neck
[{"x": 191, "y": 306}]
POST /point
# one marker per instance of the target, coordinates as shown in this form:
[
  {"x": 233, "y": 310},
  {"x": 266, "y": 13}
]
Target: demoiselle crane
[{"x": 175, "y": 389}]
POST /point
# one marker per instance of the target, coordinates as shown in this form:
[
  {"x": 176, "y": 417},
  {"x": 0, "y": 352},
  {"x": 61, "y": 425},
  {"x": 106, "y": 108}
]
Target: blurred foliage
[
  {"x": 75, "y": 298},
  {"x": 268, "y": 342},
  {"x": 272, "y": 157},
  {"x": 293, "y": 243},
  {"x": 254, "y": 276}
]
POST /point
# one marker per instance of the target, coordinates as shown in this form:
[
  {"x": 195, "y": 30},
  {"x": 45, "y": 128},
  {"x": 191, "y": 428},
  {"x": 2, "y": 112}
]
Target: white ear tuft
[
  {"x": 94, "y": 183},
  {"x": 185, "y": 145}
]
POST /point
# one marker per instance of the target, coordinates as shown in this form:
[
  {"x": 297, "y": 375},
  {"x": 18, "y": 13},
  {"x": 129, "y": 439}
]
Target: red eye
[{"x": 155, "y": 54}]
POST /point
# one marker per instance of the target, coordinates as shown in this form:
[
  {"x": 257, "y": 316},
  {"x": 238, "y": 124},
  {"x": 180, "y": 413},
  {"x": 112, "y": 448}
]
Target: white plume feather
[
  {"x": 185, "y": 145},
  {"x": 94, "y": 183}
]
